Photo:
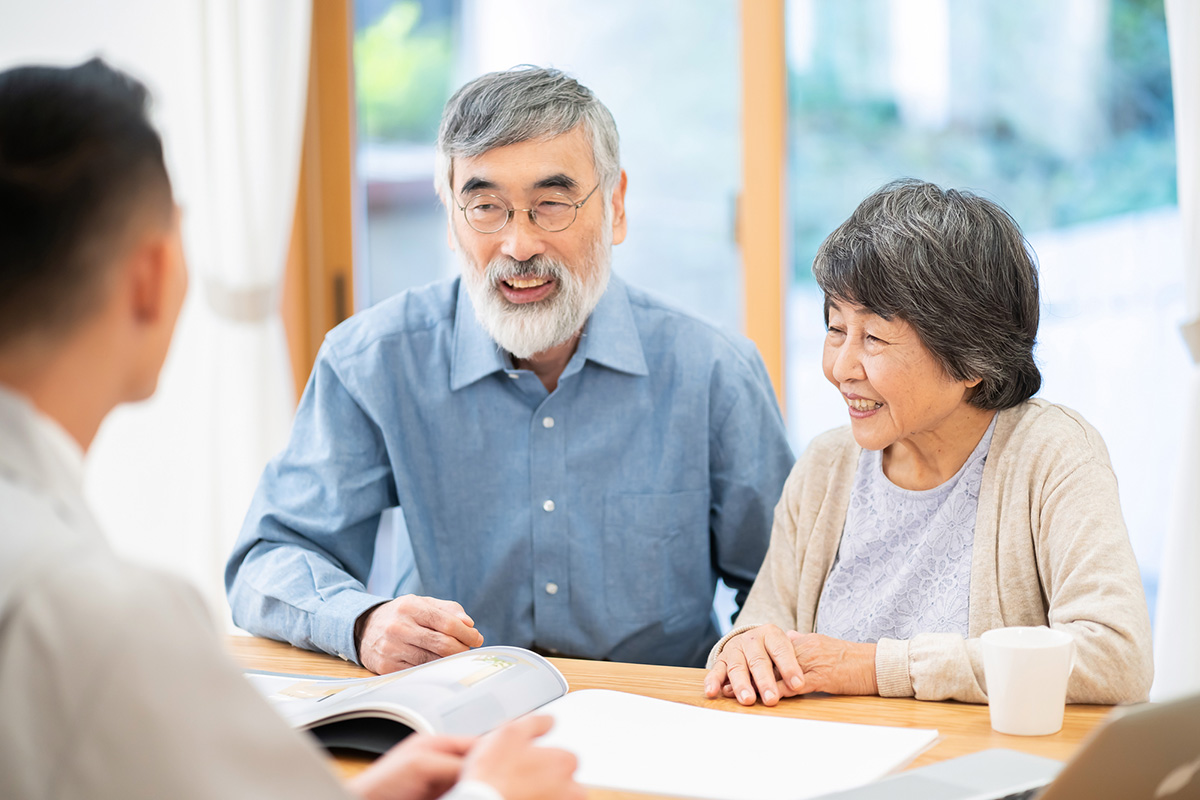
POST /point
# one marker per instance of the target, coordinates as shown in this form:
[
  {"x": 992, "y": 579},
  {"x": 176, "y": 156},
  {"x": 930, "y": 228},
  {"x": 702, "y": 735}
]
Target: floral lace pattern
[{"x": 903, "y": 565}]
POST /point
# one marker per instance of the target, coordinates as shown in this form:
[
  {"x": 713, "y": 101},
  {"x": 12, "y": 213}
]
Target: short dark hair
[
  {"x": 79, "y": 160},
  {"x": 953, "y": 265}
]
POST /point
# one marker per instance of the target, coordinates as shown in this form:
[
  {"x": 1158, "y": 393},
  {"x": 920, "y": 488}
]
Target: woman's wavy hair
[{"x": 953, "y": 265}]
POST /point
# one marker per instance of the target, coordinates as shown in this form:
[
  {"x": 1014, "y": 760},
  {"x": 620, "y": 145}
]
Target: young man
[
  {"x": 112, "y": 680},
  {"x": 577, "y": 462}
]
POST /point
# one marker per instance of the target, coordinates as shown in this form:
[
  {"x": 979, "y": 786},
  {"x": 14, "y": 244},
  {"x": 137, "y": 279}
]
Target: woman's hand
[
  {"x": 766, "y": 662},
  {"x": 833, "y": 665},
  {"x": 760, "y": 662}
]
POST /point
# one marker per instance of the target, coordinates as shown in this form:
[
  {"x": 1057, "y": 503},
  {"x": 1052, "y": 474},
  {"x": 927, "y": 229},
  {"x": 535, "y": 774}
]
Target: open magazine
[
  {"x": 623, "y": 741},
  {"x": 466, "y": 694}
]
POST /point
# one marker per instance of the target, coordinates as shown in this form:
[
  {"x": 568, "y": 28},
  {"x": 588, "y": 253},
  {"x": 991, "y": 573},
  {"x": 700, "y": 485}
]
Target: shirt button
[
  {"x": 547, "y": 422},
  {"x": 552, "y": 588},
  {"x": 548, "y": 505},
  {"x": 513, "y": 375}
]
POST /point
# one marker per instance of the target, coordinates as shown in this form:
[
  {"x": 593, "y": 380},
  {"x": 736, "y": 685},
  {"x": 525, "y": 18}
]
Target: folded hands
[{"x": 769, "y": 663}]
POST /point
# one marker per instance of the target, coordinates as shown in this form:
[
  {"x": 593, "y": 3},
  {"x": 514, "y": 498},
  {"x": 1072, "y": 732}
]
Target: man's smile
[{"x": 527, "y": 289}]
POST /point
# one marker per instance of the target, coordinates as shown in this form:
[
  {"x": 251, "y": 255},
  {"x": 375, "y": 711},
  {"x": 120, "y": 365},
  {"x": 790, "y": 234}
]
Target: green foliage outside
[
  {"x": 402, "y": 69},
  {"x": 845, "y": 147}
]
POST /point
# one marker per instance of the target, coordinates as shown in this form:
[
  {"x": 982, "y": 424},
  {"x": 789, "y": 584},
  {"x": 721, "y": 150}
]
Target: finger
[
  {"x": 455, "y": 610},
  {"x": 783, "y": 653},
  {"x": 436, "y": 618},
  {"x": 715, "y": 679},
  {"x": 739, "y": 678},
  {"x": 402, "y": 655},
  {"x": 454, "y": 745},
  {"x": 762, "y": 670},
  {"x": 727, "y": 690},
  {"x": 440, "y": 770},
  {"x": 437, "y": 642},
  {"x": 529, "y": 726}
]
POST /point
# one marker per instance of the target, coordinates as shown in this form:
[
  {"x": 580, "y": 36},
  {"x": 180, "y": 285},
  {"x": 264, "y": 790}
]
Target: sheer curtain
[
  {"x": 1177, "y": 631},
  {"x": 171, "y": 478}
]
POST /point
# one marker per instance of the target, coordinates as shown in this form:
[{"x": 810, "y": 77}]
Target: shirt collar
[
  {"x": 35, "y": 446},
  {"x": 610, "y": 338}
]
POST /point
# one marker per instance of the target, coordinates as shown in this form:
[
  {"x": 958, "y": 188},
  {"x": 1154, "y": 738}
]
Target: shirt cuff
[
  {"x": 333, "y": 623},
  {"x": 891, "y": 668},
  {"x": 473, "y": 790}
]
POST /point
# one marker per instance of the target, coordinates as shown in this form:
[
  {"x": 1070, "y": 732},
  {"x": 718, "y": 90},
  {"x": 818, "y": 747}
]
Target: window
[
  {"x": 1062, "y": 113},
  {"x": 672, "y": 80},
  {"x": 675, "y": 97}
]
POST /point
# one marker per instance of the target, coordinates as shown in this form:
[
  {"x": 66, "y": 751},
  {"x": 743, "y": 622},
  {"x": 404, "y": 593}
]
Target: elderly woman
[{"x": 952, "y": 503}]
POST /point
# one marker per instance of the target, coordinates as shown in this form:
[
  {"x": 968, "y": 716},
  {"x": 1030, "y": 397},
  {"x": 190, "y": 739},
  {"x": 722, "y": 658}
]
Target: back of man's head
[
  {"x": 80, "y": 169},
  {"x": 519, "y": 105}
]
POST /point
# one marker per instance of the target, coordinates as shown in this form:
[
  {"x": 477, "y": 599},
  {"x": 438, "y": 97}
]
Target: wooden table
[{"x": 964, "y": 728}]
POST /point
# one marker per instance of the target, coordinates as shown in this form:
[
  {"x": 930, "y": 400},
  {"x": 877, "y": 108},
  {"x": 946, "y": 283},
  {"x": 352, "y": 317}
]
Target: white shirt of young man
[{"x": 113, "y": 683}]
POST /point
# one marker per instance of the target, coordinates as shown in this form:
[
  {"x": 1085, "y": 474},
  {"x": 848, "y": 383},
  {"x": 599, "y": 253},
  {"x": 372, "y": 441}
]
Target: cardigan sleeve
[{"x": 1085, "y": 582}]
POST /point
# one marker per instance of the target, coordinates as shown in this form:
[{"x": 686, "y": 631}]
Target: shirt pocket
[{"x": 656, "y": 555}]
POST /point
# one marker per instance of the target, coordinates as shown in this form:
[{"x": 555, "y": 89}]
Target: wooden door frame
[
  {"x": 318, "y": 289},
  {"x": 762, "y": 210}
]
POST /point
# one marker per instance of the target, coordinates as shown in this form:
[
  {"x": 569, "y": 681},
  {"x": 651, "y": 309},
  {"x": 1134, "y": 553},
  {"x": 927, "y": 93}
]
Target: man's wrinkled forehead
[
  {"x": 478, "y": 183},
  {"x": 557, "y": 163}
]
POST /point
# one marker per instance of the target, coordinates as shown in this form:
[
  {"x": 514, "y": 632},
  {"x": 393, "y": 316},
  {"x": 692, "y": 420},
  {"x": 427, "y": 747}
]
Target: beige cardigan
[{"x": 1050, "y": 548}]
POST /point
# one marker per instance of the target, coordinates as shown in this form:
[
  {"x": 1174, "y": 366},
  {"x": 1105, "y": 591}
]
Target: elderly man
[{"x": 577, "y": 463}]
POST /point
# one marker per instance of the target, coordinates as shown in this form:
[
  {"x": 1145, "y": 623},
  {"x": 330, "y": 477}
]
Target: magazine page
[{"x": 466, "y": 694}]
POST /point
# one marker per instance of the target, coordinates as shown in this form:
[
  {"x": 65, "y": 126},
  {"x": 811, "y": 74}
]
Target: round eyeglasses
[{"x": 552, "y": 212}]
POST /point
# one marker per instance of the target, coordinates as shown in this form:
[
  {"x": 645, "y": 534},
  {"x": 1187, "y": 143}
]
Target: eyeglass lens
[{"x": 551, "y": 212}]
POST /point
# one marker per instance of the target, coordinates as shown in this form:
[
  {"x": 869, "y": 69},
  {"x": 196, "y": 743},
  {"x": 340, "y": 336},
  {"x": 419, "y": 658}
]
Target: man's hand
[
  {"x": 419, "y": 768},
  {"x": 411, "y": 630},
  {"x": 760, "y": 662},
  {"x": 509, "y": 760}
]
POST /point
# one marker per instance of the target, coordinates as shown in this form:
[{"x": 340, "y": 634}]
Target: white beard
[{"x": 526, "y": 329}]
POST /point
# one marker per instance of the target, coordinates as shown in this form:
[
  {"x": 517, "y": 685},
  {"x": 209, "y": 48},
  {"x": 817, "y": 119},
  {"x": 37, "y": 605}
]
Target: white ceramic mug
[{"x": 1026, "y": 671}]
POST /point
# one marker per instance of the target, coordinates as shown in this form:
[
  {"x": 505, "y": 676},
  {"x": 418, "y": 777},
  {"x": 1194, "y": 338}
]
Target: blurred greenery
[
  {"x": 844, "y": 146},
  {"x": 402, "y": 68}
]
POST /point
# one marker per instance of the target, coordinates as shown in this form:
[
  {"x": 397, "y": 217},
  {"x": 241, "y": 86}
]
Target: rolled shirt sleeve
[{"x": 299, "y": 569}]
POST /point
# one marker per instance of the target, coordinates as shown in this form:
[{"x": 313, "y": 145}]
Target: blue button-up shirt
[{"x": 593, "y": 520}]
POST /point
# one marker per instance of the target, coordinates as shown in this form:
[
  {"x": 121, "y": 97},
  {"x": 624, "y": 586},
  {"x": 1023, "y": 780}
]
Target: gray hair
[
  {"x": 953, "y": 265},
  {"x": 519, "y": 105}
]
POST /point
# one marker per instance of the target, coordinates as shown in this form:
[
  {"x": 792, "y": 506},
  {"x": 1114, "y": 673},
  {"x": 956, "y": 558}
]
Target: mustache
[{"x": 503, "y": 268}]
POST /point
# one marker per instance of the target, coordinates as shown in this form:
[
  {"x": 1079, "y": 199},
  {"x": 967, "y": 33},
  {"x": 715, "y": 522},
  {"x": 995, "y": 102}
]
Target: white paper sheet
[{"x": 640, "y": 744}]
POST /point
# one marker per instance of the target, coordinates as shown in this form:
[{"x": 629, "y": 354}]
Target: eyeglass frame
[{"x": 530, "y": 211}]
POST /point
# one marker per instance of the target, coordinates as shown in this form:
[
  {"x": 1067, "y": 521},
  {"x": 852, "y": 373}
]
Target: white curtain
[
  {"x": 171, "y": 478},
  {"x": 1177, "y": 629}
]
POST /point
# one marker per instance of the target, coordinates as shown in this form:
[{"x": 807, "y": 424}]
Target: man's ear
[
  {"x": 147, "y": 267},
  {"x": 618, "y": 207}
]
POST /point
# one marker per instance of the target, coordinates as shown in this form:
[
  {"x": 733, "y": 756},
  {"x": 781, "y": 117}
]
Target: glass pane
[
  {"x": 669, "y": 75},
  {"x": 680, "y": 135},
  {"x": 1062, "y": 113},
  {"x": 403, "y": 71}
]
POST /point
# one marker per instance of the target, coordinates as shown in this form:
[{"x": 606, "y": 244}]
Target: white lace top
[{"x": 903, "y": 565}]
